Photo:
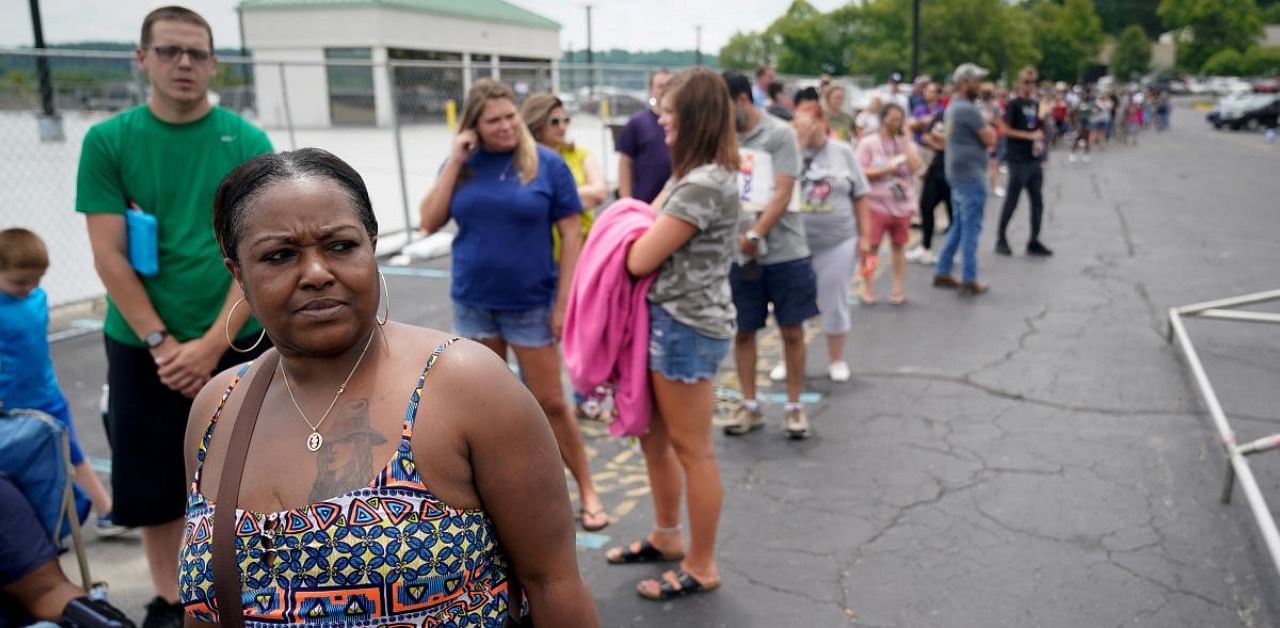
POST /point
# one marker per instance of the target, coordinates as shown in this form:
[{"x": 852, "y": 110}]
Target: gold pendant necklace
[{"x": 314, "y": 439}]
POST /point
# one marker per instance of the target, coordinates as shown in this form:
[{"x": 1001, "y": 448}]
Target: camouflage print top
[{"x": 693, "y": 284}]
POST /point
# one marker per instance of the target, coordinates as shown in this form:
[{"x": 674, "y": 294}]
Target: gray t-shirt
[
  {"x": 829, "y": 182},
  {"x": 966, "y": 155},
  {"x": 786, "y": 241},
  {"x": 693, "y": 284}
]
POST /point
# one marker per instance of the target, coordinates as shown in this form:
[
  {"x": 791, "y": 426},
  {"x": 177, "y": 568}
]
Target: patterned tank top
[{"x": 388, "y": 554}]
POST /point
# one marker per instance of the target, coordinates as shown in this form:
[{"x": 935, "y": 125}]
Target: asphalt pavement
[{"x": 1033, "y": 457}]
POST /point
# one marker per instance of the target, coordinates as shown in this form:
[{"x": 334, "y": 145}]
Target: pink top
[
  {"x": 875, "y": 151},
  {"x": 606, "y": 323}
]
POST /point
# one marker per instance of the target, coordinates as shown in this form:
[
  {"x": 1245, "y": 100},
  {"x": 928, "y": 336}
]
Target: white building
[{"x": 449, "y": 43}]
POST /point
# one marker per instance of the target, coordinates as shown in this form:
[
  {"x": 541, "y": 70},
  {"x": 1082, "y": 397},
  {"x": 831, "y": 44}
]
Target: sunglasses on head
[
  {"x": 559, "y": 121},
  {"x": 170, "y": 54}
]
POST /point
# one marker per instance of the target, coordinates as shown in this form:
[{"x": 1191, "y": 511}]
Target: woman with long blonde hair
[{"x": 506, "y": 193}]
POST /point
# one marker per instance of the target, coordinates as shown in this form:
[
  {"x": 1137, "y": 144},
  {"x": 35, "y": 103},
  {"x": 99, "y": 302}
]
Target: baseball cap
[{"x": 968, "y": 71}]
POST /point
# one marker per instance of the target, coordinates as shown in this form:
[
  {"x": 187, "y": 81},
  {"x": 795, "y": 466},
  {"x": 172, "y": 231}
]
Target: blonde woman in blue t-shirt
[{"x": 506, "y": 193}]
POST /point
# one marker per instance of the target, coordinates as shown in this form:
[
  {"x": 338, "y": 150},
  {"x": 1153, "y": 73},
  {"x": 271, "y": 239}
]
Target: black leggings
[{"x": 935, "y": 190}]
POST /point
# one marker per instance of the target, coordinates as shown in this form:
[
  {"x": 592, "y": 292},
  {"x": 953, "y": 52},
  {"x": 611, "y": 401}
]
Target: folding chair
[{"x": 35, "y": 451}]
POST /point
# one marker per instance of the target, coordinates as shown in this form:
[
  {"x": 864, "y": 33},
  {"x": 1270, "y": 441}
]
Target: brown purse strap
[{"x": 226, "y": 570}]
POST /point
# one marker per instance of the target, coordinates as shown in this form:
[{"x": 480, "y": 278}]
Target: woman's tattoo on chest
[{"x": 346, "y": 460}]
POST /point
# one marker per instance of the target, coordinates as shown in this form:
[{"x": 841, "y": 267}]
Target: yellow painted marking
[
  {"x": 624, "y": 508},
  {"x": 634, "y": 478},
  {"x": 637, "y": 492}
]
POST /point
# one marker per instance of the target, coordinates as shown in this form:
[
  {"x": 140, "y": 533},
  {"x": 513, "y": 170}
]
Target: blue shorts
[
  {"x": 791, "y": 287},
  {"x": 678, "y": 352},
  {"x": 521, "y": 328}
]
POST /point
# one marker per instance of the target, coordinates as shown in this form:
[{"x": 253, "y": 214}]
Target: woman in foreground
[{"x": 393, "y": 475}]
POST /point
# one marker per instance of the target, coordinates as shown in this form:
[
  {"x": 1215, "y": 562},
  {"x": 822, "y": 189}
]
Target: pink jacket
[{"x": 606, "y": 323}]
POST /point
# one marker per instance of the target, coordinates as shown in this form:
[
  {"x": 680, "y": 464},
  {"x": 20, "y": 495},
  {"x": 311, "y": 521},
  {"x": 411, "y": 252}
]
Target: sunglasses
[
  {"x": 170, "y": 54},
  {"x": 556, "y": 122}
]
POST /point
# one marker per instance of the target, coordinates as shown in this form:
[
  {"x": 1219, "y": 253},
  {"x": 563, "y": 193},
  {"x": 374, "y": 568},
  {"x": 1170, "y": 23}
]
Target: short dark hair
[
  {"x": 806, "y": 94},
  {"x": 775, "y": 88},
  {"x": 251, "y": 179},
  {"x": 173, "y": 14},
  {"x": 738, "y": 84},
  {"x": 656, "y": 73},
  {"x": 760, "y": 71}
]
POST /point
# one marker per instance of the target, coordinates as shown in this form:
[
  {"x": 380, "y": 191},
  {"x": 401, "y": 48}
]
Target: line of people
[{"x": 379, "y": 456}]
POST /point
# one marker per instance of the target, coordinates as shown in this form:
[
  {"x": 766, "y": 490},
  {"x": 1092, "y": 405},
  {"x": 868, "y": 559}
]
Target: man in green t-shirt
[{"x": 166, "y": 333}]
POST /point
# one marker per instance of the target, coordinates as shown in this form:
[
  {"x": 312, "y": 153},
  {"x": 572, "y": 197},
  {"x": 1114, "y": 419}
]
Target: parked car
[
  {"x": 1252, "y": 111},
  {"x": 1228, "y": 103},
  {"x": 1266, "y": 86},
  {"x": 622, "y": 102}
]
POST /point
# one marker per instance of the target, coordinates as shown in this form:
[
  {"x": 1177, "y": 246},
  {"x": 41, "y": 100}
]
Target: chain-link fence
[{"x": 391, "y": 116}]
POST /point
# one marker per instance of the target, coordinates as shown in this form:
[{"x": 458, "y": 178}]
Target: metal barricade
[{"x": 1238, "y": 470}]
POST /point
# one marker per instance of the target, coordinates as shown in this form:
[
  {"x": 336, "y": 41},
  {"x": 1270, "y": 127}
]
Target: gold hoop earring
[
  {"x": 386, "y": 301},
  {"x": 226, "y": 331}
]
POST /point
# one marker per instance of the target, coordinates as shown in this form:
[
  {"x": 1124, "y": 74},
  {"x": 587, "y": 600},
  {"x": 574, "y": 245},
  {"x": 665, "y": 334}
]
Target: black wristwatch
[{"x": 155, "y": 338}]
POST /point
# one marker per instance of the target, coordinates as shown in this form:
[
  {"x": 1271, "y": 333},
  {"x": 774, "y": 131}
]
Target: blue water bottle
[{"x": 144, "y": 254}]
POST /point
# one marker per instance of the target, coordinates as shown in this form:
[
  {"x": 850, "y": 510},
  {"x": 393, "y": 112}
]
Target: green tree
[
  {"x": 808, "y": 42},
  {"x": 1132, "y": 54},
  {"x": 1211, "y": 26},
  {"x": 1117, "y": 15},
  {"x": 1225, "y": 62},
  {"x": 745, "y": 51},
  {"x": 1062, "y": 57},
  {"x": 1271, "y": 14}
]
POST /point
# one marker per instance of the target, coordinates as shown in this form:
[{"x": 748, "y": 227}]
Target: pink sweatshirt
[{"x": 606, "y": 323}]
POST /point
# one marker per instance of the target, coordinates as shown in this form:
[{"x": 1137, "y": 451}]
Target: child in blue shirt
[{"x": 27, "y": 379}]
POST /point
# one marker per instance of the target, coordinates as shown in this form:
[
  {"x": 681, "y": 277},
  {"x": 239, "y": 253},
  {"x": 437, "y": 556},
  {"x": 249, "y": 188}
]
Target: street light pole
[
  {"x": 698, "y": 49},
  {"x": 915, "y": 39},
  {"x": 591, "y": 78},
  {"x": 42, "y": 62}
]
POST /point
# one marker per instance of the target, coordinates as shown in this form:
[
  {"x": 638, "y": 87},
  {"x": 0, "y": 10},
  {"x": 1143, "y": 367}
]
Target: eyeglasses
[
  {"x": 556, "y": 122},
  {"x": 1028, "y": 81},
  {"x": 171, "y": 54}
]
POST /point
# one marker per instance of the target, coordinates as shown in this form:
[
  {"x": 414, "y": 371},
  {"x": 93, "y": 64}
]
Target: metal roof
[{"x": 484, "y": 10}]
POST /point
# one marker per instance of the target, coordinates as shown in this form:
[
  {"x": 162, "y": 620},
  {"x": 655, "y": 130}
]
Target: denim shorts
[
  {"x": 678, "y": 352},
  {"x": 521, "y": 328}
]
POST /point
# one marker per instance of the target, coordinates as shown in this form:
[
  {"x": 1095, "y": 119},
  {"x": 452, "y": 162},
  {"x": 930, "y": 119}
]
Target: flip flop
[
  {"x": 584, "y": 513},
  {"x": 646, "y": 554},
  {"x": 898, "y": 299},
  {"x": 684, "y": 584}
]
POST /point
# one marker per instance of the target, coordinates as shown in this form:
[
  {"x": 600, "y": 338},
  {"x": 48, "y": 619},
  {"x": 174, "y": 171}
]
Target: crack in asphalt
[{"x": 913, "y": 373}]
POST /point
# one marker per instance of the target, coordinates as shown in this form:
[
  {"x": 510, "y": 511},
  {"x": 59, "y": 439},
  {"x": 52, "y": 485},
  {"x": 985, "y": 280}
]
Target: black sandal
[
  {"x": 684, "y": 584},
  {"x": 584, "y": 513},
  {"x": 646, "y": 554}
]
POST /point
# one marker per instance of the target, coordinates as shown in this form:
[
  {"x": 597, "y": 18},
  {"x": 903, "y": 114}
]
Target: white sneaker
[
  {"x": 914, "y": 254},
  {"x": 1000, "y": 191},
  {"x": 927, "y": 258},
  {"x": 1072, "y": 158},
  {"x": 779, "y": 372},
  {"x": 839, "y": 371}
]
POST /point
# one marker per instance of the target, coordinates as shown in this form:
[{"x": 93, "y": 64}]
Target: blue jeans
[{"x": 967, "y": 201}]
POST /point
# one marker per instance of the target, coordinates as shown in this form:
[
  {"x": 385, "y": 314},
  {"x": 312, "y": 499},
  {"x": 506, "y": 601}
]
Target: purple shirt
[
  {"x": 645, "y": 143},
  {"x": 923, "y": 110}
]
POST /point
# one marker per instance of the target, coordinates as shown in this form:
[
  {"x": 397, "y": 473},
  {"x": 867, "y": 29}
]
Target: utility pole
[
  {"x": 50, "y": 123},
  {"x": 915, "y": 40},
  {"x": 698, "y": 49},
  {"x": 591, "y": 69},
  {"x": 42, "y": 62}
]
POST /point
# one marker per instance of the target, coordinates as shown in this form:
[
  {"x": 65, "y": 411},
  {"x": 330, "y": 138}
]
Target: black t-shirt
[{"x": 1022, "y": 115}]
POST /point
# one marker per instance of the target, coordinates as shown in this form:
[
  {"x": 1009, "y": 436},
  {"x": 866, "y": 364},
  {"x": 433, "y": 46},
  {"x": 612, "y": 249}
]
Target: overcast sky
[{"x": 629, "y": 24}]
